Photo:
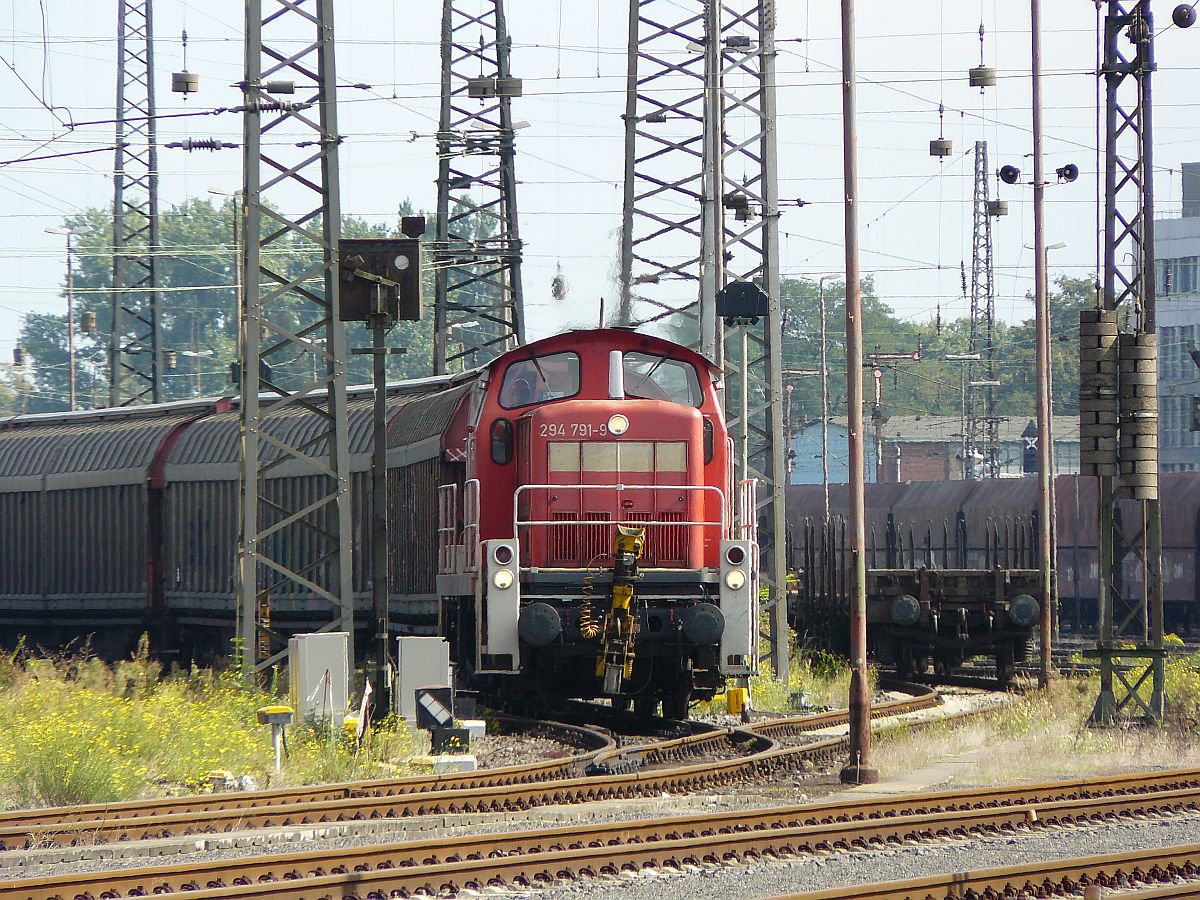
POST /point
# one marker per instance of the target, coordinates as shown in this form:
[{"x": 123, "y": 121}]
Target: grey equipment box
[
  {"x": 420, "y": 661},
  {"x": 319, "y": 675}
]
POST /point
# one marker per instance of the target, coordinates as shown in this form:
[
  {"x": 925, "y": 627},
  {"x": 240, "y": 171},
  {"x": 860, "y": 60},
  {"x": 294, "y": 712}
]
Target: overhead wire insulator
[
  {"x": 190, "y": 144},
  {"x": 981, "y": 76},
  {"x": 185, "y": 82},
  {"x": 941, "y": 146}
]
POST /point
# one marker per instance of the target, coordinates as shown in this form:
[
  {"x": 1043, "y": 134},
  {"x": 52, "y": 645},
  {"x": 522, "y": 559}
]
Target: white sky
[{"x": 916, "y": 211}]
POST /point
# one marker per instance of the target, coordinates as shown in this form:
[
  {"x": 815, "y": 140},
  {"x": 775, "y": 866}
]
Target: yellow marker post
[
  {"x": 736, "y": 700},
  {"x": 278, "y": 717}
]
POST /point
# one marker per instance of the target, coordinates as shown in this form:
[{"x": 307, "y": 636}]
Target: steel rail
[
  {"x": 541, "y": 771},
  {"x": 522, "y": 858},
  {"x": 1061, "y": 877},
  {"x": 404, "y": 798}
]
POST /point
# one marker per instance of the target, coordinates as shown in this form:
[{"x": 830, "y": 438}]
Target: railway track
[
  {"x": 617, "y": 773},
  {"x": 519, "y": 859},
  {"x": 1155, "y": 873}
]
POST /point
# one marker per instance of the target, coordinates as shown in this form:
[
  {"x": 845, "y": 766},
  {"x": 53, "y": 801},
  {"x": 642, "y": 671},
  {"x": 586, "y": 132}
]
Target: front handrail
[
  {"x": 518, "y": 523},
  {"x": 747, "y": 517},
  {"x": 447, "y": 530},
  {"x": 470, "y": 531}
]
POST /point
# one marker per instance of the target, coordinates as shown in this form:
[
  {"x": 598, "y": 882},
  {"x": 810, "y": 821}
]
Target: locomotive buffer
[{"x": 615, "y": 663}]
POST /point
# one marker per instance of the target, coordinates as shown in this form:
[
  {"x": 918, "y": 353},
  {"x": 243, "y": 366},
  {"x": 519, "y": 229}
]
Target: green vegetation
[
  {"x": 78, "y": 730},
  {"x": 198, "y": 302},
  {"x": 196, "y": 274},
  {"x": 931, "y": 386}
]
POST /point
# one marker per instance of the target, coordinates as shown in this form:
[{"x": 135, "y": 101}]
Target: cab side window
[{"x": 539, "y": 380}]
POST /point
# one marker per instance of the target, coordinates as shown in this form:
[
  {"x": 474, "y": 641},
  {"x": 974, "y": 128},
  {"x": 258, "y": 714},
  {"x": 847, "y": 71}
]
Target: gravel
[
  {"x": 493, "y": 751},
  {"x": 766, "y": 878}
]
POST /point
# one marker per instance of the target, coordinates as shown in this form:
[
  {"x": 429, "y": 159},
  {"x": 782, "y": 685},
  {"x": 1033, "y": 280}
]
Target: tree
[{"x": 199, "y": 314}]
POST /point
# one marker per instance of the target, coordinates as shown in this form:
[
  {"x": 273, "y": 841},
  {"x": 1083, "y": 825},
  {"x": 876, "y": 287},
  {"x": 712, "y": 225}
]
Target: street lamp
[
  {"x": 237, "y": 277},
  {"x": 824, "y": 394},
  {"x": 78, "y": 231}
]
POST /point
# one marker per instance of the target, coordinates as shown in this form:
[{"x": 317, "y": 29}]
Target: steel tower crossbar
[
  {"x": 295, "y": 546},
  {"x": 135, "y": 360},
  {"x": 982, "y": 448},
  {"x": 749, "y": 200},
  {"x": 1132, "y": 678},
  {"x": 478, "y": 312}
]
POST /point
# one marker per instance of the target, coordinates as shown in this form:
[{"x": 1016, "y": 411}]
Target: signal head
[
  {"x": 1184, "y": 15},
  {"x": 1009, "y": 174}
]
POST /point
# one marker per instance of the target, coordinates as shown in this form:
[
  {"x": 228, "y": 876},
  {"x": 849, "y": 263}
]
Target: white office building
[{"x": 1177, "y": 258}]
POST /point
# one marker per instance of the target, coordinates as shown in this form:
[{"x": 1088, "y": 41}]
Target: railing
[
  {"x": 458, "y": 550},
  {"x": 447, "y": 530},
  {"x": 471, "y": 522},
  {"x": 746, "y": 527},
  {"x": 640, "y": 520}
]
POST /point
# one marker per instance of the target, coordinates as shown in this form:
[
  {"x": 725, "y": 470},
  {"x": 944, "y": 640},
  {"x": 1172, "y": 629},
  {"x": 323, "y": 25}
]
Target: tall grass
[
  {"x": 1045, "y": 734},
  {"x": 77, "y": 730}
]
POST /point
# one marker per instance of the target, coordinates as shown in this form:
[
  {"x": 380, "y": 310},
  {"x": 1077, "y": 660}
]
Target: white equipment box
[
  {"x": 319, "y": 675},
  {"x": 420, "y": 662}
]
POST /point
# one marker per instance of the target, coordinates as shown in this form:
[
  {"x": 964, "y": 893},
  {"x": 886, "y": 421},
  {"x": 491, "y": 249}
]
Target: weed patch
[{"x": 77, "y": 730}]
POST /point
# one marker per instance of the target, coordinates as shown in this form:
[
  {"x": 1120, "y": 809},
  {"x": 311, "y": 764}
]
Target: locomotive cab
[{"x": 583, "y": 444}]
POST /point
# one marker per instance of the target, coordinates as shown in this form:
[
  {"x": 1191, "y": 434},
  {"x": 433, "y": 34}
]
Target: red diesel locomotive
[
  {"x": 565, "y": 516},
  {"x": 595, "y": 543}
]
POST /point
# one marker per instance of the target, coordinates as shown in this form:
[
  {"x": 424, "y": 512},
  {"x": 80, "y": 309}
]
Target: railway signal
[{"x": 381, "y": 282}]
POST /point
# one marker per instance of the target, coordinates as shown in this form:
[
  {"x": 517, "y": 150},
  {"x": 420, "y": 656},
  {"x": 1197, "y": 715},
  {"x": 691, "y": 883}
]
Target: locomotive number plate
[{"x": 573, "y": 429}]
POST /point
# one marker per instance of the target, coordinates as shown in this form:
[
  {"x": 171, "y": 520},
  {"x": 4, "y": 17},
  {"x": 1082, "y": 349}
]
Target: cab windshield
[
  {"x": 540, "y": 378},
  {"x": 650, "y": 376}
]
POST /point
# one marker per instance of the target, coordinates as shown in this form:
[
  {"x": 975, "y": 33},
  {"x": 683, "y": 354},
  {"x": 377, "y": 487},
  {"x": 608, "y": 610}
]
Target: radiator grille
[
  {"x": 666, "y": 545},
  {"x": 577, "y": 543}
]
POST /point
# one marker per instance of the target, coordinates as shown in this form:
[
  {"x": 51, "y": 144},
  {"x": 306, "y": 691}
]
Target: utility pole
[
  {"x": 380, "y": 322},
  {"x": 1042, "y": 329},
  {"x": 70, "y": 234},
  {"x": 824, "y": 396},
  {"x": 981, "y": 451},
  {"x": 293, "y": 340},
  {"x": 478, "y": 245},
  {"x": 1118, "y": 382},
  {"x": 135, "y": 354},
  {"x": 858, "y": 768}
]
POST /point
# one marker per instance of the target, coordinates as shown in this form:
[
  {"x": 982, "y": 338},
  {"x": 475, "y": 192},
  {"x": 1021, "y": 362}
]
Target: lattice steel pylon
[
  {"x": 478, "y": 295},
  {"x": 134, "y": 354},
  {"x": 982, "y": 444},
  {"x": 701, "y": 209},
  {"x": 671, "y": 210},
  {"x": 750, "y": 247},
  {"x": 1118, "y": 383},
  {"x": 294, "y": 545}
]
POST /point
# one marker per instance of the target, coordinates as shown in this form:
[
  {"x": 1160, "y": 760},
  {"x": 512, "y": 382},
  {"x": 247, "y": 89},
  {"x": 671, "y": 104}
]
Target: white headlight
[
  {"x": 735, "y": 579},
  {"x": 503, "y": 579},
  {"x": 618, "y": 424}
]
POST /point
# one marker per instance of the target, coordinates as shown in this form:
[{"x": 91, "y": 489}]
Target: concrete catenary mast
[
  {"x": 294, "y": 545},
  {"x": 135, "y": 354},
  {"x": 478, "y": 297}
]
